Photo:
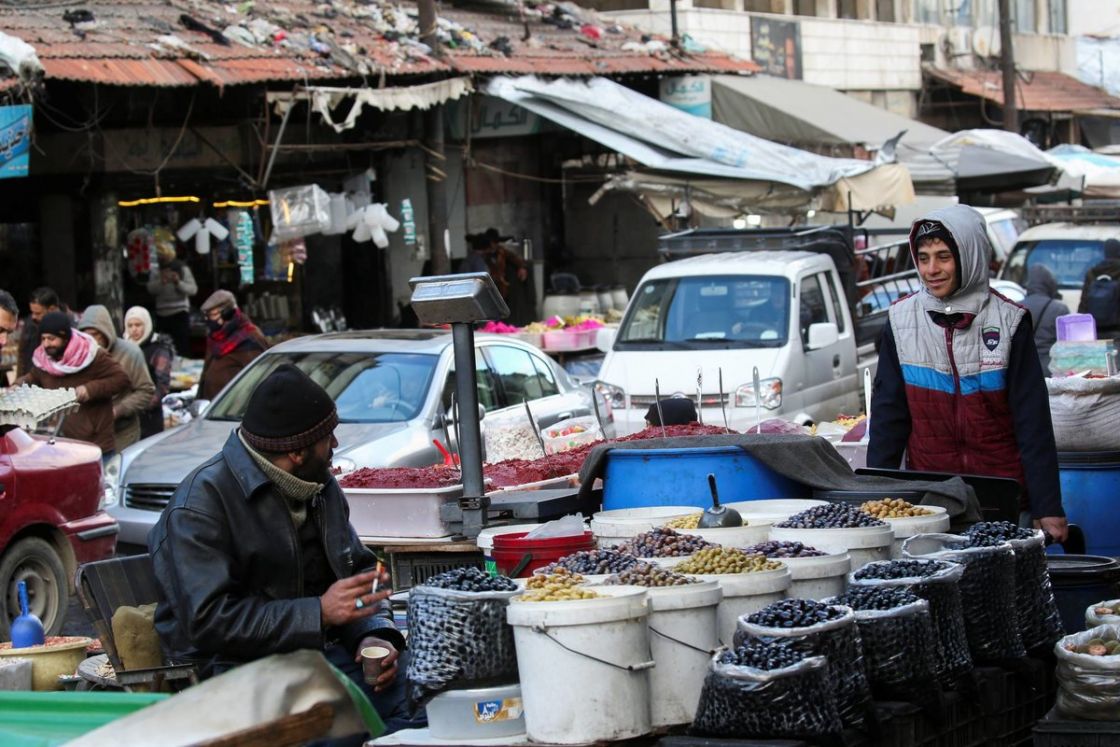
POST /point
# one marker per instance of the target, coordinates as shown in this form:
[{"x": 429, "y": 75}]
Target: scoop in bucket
[{"x": 718, "y": 516}]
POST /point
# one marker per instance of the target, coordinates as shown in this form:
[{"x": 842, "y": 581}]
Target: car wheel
[{"x": 37, "y": 563}]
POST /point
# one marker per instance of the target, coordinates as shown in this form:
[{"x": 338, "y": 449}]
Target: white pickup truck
[{"x": 809, "y": 328}]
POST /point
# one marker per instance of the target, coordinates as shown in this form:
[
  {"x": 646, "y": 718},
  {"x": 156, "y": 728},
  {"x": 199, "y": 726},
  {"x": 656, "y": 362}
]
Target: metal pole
[
  {"x": 435, "y": 160},
  {"x": 470, "y": 432},
  {"x": 276, "y": 148},
  {"x": 675, "y": 39},
  {"x": 1007, "y": 65}
]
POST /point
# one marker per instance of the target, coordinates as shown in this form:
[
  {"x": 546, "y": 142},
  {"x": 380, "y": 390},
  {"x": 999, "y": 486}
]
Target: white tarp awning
[{"x": 663, "y": 138}]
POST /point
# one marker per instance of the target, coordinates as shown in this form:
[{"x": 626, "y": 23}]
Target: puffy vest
[{"x": 956, "y": 388}]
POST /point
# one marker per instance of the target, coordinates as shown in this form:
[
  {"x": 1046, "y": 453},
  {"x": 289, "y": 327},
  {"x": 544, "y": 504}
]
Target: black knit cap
[
  {"x": 55, "y": 323},
  {"x": 677, "y": 411},
  {"x": 933, "y": 229},
  {"x": 288, "y": 412}
]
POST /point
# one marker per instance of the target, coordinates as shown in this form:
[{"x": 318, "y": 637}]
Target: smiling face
[{"x": 938, "y": 268}]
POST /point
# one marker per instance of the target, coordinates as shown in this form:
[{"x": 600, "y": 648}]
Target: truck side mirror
[
  {"x": 604, "y": 338},
  {"x": 821, "y": 335}
]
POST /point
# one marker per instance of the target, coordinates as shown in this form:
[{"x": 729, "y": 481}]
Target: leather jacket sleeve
[{"x": 218, "y": 614}]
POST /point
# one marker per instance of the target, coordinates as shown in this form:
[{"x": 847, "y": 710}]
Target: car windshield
[
  {"x": 721, "y": 311},
  {"x": 1068, "y": 259},
  {"x": 365, "y": 387}
]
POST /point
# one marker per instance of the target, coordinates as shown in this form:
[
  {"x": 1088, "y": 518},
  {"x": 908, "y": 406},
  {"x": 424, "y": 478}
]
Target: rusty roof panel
[
  {"x": 1041, "y": 91},
  {"x": 130, "y": 42},
  {"x": 120, "y": 72}
]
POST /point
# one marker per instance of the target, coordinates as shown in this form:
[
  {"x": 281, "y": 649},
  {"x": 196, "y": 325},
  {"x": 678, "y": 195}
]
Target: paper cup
[{"x": 373, "y": 658}]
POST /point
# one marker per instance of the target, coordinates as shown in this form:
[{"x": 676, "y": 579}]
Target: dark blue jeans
[{"x": 391, "y": 704}]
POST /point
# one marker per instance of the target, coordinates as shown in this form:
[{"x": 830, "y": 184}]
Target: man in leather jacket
[{"x": 255, "y": 554}]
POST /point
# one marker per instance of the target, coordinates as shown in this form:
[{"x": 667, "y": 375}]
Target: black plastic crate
[
  {"x": 414, "y": 568},
  {"x": 1061, "y": 733}
]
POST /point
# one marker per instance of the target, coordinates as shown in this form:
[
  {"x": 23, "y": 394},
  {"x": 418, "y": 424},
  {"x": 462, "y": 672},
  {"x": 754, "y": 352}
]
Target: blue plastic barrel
[
  {"x": 1090, "y": 487},
  {"x": 679, "y": 477},
  {"x": 1080, "y": 581}
]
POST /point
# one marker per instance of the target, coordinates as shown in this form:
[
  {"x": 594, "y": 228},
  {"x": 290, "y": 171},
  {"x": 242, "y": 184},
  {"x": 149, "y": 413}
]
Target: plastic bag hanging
[
  {"x": 373, "y": 222},
  {"x": 201, "y": 232}
]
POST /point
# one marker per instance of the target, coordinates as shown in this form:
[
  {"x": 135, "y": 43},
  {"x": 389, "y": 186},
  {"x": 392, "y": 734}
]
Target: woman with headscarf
[
  {"x": 1043, "y": 301},
  {"x": 159, "y": 352}
]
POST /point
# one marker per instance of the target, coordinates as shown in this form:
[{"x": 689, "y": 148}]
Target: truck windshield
[
  {"x": 1068, "y": 259},
  {"x": 693, "y": 313}
]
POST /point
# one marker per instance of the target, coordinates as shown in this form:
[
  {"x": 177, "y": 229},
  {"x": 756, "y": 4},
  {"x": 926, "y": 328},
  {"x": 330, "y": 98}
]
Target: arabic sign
[
  {"x": 15, "y": 141},
  {"x": 691, "y": 93},
  {"x": 776, "y": 46},
  {"x": 491, "y": 117}
]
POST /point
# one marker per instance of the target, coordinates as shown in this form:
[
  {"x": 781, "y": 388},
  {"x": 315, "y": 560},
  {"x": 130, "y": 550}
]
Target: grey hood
[
  {"x": 1041, "y": 282},
  {"x": 97, "y": 317},
  {"x": 968, "y": 229}
]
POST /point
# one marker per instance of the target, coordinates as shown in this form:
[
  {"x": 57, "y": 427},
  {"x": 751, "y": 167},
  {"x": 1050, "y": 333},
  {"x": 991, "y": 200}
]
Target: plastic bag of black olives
[
  {"x": 1040, "y": 623},
  {"x": 899, "y": 650},
  {"x": 457, "y": 636},
  {"x": 937, "y": 582},
  {"x": 792, "y": 702},
  {"x": 837, "y": 640},
  {"x": 987, "y": 592}
]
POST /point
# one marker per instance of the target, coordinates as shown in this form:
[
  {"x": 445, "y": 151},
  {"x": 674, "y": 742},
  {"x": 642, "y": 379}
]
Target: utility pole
[
  {"x": 435, "y": 161},
  {"x": 1007, "y": 66}
]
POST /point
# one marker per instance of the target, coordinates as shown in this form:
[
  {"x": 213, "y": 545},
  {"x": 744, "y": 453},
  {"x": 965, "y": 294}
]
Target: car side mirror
[
  {"x": 447, "y": 418},
  {"x": 604, "y": 338},
  {"x": 198, "y": 407},
  {"x": 821, "y": 335}
]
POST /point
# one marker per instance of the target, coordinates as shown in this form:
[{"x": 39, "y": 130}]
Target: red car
[{"x": 51, "y": 521}]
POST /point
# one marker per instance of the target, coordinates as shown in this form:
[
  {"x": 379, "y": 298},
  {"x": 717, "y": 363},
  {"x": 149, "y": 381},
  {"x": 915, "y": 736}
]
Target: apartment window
[
  {"x": 884, "y": 11},
  {"x": 1024, "y": 17},
  {"x": 1058, "y": 17},
  {"x": 760, "y": 6},
  {"x": 927, "y": 11},
  {"x": 805, "y": 7},
  {"x": 847, "y": 9}
]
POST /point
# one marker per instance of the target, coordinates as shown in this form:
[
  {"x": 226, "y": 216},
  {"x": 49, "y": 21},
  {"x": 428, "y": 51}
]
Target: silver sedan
[{"x": 392, "y": 389}]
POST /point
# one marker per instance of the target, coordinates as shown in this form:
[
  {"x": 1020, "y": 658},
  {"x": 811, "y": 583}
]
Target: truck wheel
[{"x": 35, "y": 561}]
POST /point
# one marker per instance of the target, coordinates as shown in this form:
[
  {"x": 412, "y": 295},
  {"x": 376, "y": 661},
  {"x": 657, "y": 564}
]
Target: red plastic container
[{"x": 511, "y": 549}]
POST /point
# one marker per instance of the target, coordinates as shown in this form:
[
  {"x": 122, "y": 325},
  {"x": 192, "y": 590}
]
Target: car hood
[{"x": 168, "y": 458}]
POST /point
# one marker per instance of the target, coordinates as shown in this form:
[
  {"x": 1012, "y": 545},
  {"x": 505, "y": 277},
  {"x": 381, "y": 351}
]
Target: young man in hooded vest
[{"x": 959, "y": 386}]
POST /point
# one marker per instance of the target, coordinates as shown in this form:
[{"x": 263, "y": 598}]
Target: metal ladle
[{"x": 718, "y": 516}]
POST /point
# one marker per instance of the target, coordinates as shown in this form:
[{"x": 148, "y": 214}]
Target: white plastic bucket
[
  {"x": 908, "y": 526},
  {"x": 485, "y": 542},
  {"x": 585, "y": 666},
  {"x": 775, "y": 508},
  {"x": 818, "y": 577},
  {"x": 744, "y": 593},
  {"x": 615, "y": 527},
  {"x": 756, "y": 531},
  {"x": 682, "y": 638},
  {"x": 863, "y": 544}
]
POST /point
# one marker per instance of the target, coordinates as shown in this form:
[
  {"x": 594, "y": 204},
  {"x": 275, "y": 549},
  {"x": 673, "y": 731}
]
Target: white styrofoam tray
[{"x": 402, "y": 512}]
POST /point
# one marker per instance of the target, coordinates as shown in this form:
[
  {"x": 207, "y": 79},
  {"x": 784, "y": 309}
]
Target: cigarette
[{"x": 377, "y": 579}]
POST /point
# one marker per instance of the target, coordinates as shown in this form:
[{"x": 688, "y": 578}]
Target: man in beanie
[
  {"x": 255, "y": 554},
  {"x": 959, "y": 386},
  {"x": 233, "y": 342},
  {"x": 69, "y": 358},
  {"x": 98, "y": 324}
]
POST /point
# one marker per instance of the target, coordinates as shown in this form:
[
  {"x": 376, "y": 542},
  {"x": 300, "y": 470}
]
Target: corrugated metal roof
[
  {"x": 1039, "y": 91},
  {"x": 146, "y": 43}
]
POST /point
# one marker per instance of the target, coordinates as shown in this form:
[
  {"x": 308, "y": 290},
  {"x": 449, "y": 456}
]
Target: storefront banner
[{"x": 15, "y": 141}]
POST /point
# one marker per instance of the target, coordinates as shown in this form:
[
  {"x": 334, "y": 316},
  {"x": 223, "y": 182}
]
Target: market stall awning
[
  {"x": 993, "y": 161},
  {"x": 1038, "y": 91},
  {"x": 1100, "y": 173},
  {"x": 663, "y": 138}
]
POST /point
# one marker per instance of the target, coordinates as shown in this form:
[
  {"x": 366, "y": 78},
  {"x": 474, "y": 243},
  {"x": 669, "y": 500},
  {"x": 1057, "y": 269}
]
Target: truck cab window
[{"x": 813, "y": 309}]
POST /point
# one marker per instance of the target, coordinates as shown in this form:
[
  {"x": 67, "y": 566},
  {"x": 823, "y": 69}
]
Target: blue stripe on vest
[{"x": 928, "y": 378}]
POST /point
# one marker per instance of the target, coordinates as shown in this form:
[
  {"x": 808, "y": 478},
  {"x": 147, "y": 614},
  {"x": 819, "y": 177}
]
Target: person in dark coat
[
  {"x": 68, "y": 358},
  {"x": 1043, "y": 301},
  {"x": 255, "y": 554},
  {"x": 233, "y": 342},
  {"x": 43, "y": 301},
  {"x": 677, "y": 411},
  {"x": 159, "y": 353}
]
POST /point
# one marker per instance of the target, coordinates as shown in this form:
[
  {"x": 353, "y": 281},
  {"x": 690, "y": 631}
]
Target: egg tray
[{"x": 28, "y": 406}]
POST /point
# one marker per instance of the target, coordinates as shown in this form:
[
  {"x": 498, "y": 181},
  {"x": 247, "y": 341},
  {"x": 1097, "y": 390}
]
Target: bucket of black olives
[
  {"x": 987, "y": 591},
  {"x": 936, "y": 581},
  {"x": 898, "y": 641},
  {"x": 767, "y": 689},
  {"x": 1040, "y": 623},
  {"x": 818, "y": 629},
  {"x": 457, "y": 631}
]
